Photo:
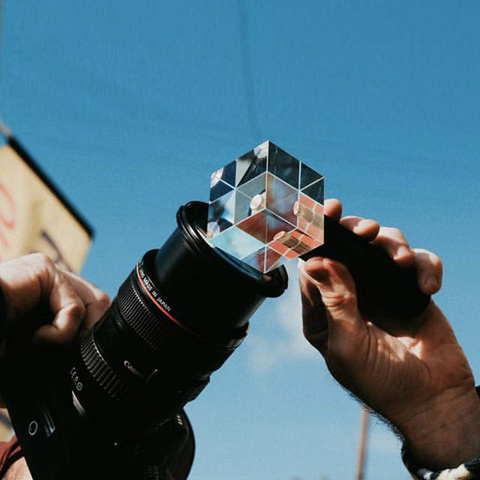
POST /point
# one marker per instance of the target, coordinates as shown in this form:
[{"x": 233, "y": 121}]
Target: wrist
[{"x": 445, "y": 433}]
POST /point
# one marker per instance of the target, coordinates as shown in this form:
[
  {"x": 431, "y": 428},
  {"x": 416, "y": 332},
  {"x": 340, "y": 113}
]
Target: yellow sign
[{"x": 34, "y": 217}]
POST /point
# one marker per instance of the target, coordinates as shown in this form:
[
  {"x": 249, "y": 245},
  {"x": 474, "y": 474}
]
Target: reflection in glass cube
[
  {"x": 266, "y": 207},
  {"x": 281, "y": 198}
]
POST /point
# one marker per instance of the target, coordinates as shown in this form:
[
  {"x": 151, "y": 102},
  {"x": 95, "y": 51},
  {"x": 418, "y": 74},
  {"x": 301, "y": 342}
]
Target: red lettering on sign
[{"x": 8, "y": 218}]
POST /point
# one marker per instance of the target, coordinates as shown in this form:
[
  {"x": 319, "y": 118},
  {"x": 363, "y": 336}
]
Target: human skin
[
  {"x": 75, "y": 305},
  {"x": 18, "y": 471},
  {"x": 414, "y": 374}
]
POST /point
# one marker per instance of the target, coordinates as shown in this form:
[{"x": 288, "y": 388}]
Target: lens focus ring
[
  {"x": 101, "y": 372},
  {"x": 143, "y": 321},
  {"x": 167, "y": 338}
]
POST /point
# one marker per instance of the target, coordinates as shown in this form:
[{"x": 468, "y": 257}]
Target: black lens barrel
[
  {"x": 214, "y": 293},
  {"x": 176, "y": 319}
]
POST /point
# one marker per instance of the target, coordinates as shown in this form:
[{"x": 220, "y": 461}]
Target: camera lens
[{"x": 176, "y": 319}]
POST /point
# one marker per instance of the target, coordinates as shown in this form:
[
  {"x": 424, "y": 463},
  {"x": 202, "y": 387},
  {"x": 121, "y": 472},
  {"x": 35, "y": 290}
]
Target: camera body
[{"x": 113, "y": 408}]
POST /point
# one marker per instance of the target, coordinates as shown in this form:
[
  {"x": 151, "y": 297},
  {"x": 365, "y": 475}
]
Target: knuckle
[
  {"x": 42, "y": 260},
  {"x": 437, "y": 262},
  {"x": 374, "y": 224},
  {"x": 429, "y": 259},
  {"x": 351, "y": 221},
  {"x": 438, "y": 266},
  {"x": 102, "y": 300},
  {"x": 393, "y": 232},
  {"x": 77, "y": 310},
  {"x": 339, "y": 299}
]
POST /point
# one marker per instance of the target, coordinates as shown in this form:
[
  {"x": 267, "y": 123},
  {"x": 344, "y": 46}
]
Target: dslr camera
[{"x": 113, "y": 408}]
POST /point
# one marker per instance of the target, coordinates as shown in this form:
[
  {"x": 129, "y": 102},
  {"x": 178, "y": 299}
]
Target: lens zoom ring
[
  {"x": 161, "y": 334},
  {"x": 101, "y": 371},
  {"x": 138, "y": 316}
]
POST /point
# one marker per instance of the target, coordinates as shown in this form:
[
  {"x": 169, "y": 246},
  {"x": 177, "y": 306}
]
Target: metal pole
[{"x": 363, "y": 444}]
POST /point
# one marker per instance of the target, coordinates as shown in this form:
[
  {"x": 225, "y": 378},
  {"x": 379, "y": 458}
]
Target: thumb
[
  {"x": 68, "y": 310},
  {"x": 339, "y": 298}
]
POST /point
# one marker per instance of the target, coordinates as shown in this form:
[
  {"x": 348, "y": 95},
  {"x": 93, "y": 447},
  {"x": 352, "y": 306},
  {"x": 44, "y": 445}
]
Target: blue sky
[{"x": 129, "y": 106}]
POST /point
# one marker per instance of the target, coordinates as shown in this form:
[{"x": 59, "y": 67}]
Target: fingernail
[{"x": 431, "y": 282}]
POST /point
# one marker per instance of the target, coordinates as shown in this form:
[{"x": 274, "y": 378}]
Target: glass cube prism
[{"x": 266, "y": 207}]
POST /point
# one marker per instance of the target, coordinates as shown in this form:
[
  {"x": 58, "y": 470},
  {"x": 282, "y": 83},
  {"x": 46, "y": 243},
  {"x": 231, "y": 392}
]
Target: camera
[{"x": 113, "y": 407}]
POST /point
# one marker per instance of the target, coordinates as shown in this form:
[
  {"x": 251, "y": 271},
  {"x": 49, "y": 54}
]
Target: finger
[
  {"x": 27, "y": 280},
  {"x": 395, "y": 244},
  {"x": 338, "y": 294},
  {"x": 67, "y": 308},
  {"x": 429, "y": 271},
  {"x": 333, "y": 208},
  {"x": 22, "y": 280},
  {"x": 363, "y": 227},
  {"x": 313, "y": 311},
  {"x": 95, "y": 300}
]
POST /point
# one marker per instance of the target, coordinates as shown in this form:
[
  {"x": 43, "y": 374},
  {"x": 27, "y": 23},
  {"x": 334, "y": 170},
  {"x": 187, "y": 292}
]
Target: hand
[
  {"x": 75, "y": 304},
  {"x": 18, "y": 471},
  {"x": 414, "y": 374}
]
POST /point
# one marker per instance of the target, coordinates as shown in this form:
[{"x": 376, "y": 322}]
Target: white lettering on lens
[
  {"x": 164, "y": 304},
  {"x": 130, "y": 367},
  {"x": 76, "y": 380}
]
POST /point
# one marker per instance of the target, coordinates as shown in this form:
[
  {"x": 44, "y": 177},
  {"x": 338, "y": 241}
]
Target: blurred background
[{"x": 129, "y": 107}]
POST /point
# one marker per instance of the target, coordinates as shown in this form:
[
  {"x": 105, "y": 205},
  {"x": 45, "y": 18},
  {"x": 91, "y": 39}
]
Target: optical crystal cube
[{"x": 266, "y": 207}]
